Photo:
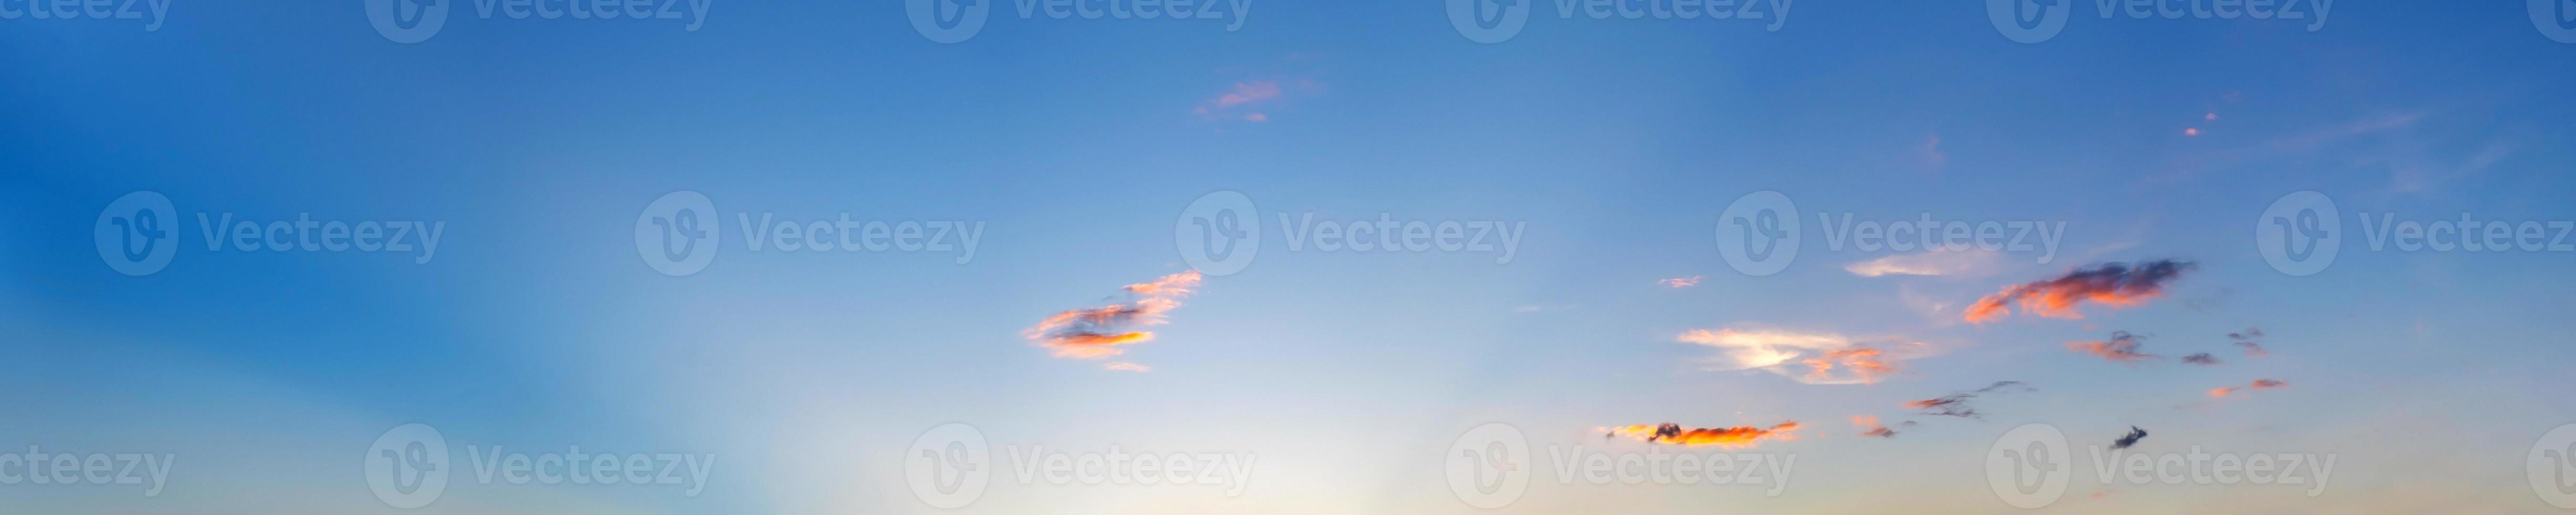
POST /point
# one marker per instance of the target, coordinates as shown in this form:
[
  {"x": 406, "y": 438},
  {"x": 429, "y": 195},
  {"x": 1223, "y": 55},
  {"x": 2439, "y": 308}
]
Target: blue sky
[{"x": 1077, "y": 144}]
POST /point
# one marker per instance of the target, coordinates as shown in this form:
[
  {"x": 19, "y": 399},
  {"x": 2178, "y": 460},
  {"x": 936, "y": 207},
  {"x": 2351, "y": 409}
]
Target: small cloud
[
  {"x": 2259, "y": 384},
  {"x": 1933, "y": 263},
  {"x": 2245, "y": 340},
  {"x": 2111, "y": 284},
  {"x": 2132, "y": 438},
  {"x": 1956, "y": 404},
  {"x": 1246, "y": 100},
  {"x": 1682, "y": 282},
  {"x": 2203, "y": 359},
  {"x": 1256, "y": 117},
  {"x": 1097, "y": 332},
  {"x": 1827, "y": 358},
  {"x": 2122, "y": 347},
  {"x": 1123, "y": 366},
  {"x": 1870, "y": 427}
]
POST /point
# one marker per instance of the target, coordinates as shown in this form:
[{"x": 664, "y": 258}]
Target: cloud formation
[
  {"x": 1934, "y": 263},
  {"x": 1723, "y": 437},
  {"x": 2202, "y": 358},
  {"x": 2259, "y": 384},
  {"x": 1246, "y": 100},
  {"x": 2112, "y": 284},
  {"x": 1682, "y": 282},
  {"x": 1956, "y": 404},
  {"x": 1812, "y": 358},
  {"x": 1097, "y": 332},
  {"x": 2245, "y": 340},
  {"x": 1870, "y": 427},
  {"x": 2121, "y": 348},
  {"x": 1122, "y": 366}
]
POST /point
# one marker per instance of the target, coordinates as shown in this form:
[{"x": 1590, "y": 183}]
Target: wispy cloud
[
  {"x": 2111, "y": 284},
  {"x": 2245, "y": 340},
  {"x": 1724, "y": 437},
  {"x": 1249, "y": 100},
  {"x": 1122, "y": 366},
  {"x": 2122, "y": 348},
  {"x": 1870, "y": 427},
  {"x": 1972, "y": 262},
  {"x": 2201, "y": 358},
  {"x": 1957, "y": 405},
  {"x": 1097, "y": 332},
  {"x": 1682, "y": 282},
  {"x": 1812, "y": 358},
  {"x": 2258, "y": 384}
]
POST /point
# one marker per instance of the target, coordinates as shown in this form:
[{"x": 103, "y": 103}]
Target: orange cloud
[
  {"x": 1726, "y": 437},
  {"x": 1096, "y": 332},
  {"x": 2113, "y": 284},
  {"x": 2122, "y": 347},
  {"x": 1863, "y": 363},
  {"x": 2259, "y": 384},
  {"x": 1871, "y": 427},
  {"x": 1823, "y": 354}
]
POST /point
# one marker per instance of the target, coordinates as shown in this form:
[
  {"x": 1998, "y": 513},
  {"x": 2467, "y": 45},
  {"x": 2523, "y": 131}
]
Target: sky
[{"x": 1092, "y": 238}]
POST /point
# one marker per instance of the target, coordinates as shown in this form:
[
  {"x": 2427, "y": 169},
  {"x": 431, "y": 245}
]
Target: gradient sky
[{"x": 1079, "y": 142}]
